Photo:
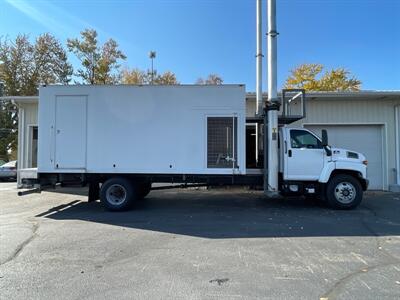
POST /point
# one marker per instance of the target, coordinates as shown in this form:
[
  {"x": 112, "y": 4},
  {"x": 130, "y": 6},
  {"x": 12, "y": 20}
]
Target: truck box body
[{"x": 142, "y": 129}]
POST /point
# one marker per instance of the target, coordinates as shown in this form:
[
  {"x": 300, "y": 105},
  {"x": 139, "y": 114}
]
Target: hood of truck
[{"x": 339, "y": 154}]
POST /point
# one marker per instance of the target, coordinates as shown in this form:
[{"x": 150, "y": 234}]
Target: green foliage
[
  {"x": 8, "y": 129},
  {"x": 24, "y": 66},
  {"x": 309, "y": 77},
  {"x": 136, "y": 76},
  {"x": 212, "y": 79},
  {"x": 51, "y": 61},
  {"x": 17, "y": 66},
  {"x": 99, "y": 63},
  {"x": 166, "y": 78}
]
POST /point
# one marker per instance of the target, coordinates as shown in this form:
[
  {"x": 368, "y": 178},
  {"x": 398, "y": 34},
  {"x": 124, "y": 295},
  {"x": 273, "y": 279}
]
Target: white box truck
[{"x": 121, "y": 139}]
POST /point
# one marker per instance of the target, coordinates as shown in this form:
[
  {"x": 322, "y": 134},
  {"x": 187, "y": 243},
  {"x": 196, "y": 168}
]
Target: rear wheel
[
  {"x": 344, "y": 192},
  {"x": 118, "y": 194}
]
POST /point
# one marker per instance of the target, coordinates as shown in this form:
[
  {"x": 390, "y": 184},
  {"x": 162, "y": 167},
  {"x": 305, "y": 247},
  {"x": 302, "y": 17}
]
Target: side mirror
[
  {"x": 324, "y": 138},
  {"x": 325, "y": 142}
]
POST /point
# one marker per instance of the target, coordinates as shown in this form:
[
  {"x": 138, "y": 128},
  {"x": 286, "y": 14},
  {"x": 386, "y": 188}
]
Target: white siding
[
  {"x": 363, "y": 111},
  {"x": 27, "y": 116}
]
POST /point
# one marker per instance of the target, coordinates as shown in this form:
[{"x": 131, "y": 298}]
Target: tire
[
  {"x": 144, "y": 189},
  {"x": 118, "y": 194},
  {"x": 344, "y": 192}
]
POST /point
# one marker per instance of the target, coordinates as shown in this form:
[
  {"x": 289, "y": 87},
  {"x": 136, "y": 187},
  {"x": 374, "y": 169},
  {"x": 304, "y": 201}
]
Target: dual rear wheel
[{"x": 119, "y": 193}]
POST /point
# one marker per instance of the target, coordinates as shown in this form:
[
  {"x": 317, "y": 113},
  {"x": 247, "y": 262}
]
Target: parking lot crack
[
  {"x": 376, "y": 235},
  {"x": 340, "y": 284},
  {"x": 389, "y": 259},
  {"x": 219, "y": 281},
  {"x": 22, "y": 246}
]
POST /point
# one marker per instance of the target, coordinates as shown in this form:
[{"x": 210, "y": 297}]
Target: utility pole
[
  {"x": 152, "y": 56},
  {"x": 271, "y": 162}
]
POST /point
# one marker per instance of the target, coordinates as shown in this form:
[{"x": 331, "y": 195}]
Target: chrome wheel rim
[
  {"x": 345, "y": 192},
  {"x": 116, "y": 194}
]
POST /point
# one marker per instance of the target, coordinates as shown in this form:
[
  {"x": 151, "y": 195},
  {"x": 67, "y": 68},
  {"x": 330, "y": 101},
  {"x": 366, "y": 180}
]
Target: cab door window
[{"x": 303, "y": 139}]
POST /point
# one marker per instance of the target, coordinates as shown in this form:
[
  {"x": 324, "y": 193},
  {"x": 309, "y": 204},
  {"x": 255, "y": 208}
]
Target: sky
[{"x": 194, "y": 38}]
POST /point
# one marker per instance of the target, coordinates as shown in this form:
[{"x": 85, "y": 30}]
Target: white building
[{"x": 367, "y": 121}]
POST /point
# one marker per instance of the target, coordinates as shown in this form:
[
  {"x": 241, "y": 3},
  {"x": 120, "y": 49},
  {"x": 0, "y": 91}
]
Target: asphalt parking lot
[{"x": 223, "y": 244}]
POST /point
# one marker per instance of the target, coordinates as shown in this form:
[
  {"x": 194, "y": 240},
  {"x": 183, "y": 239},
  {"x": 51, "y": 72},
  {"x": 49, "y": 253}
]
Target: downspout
[{"x": 397, "y": 120}]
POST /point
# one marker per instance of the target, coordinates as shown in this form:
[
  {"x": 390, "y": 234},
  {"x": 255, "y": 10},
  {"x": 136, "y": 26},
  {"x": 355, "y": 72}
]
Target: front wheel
[{"x": 344, "y": 192}]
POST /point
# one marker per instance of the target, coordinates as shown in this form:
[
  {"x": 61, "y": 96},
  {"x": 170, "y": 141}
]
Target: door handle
[{"x": 290, "y": 153}]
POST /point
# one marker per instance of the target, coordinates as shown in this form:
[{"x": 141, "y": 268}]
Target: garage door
[{"x": 366, "y": 139}]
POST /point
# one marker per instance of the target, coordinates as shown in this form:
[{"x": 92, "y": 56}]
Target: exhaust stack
[
  {"x": 259, "y": 57},
  {"x": 271, "y": 159}
]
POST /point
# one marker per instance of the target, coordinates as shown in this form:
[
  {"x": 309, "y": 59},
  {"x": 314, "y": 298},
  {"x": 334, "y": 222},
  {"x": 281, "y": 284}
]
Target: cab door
[{"x": 304, "y": 155}]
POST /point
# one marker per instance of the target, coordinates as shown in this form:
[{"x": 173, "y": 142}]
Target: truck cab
[{"x": 309, "y": 166}]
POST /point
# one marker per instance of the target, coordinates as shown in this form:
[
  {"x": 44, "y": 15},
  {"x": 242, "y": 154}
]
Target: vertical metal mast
[
  {"x": 271, "y": 182},
  {"x": 259, "y": 56}
]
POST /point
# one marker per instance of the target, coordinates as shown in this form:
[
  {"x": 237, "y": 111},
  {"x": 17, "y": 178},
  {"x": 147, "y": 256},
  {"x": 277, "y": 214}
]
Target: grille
[{"x": 221, "y": 142}]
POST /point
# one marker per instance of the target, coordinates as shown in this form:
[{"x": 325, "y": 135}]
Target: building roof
[
  {"x": 360, "y": 94},
  {"x": 366, "y": 94}
]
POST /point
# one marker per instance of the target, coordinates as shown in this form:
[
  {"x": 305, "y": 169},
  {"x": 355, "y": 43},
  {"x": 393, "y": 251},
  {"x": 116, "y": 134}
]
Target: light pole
[{"x": 152, "y": 56}]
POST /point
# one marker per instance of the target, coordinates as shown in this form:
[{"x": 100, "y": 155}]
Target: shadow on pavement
[{"x": 219, "y": 215}]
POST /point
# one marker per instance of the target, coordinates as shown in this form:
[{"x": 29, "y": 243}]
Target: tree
[
  {"x": 134, "y": 76},
  {"x": 137, "y": 76},
  {"x": 99, "y": 63},
  {"x": 17, "y": 66},
  {"x": 167, "y": 78},
  {"x": 211, "y": 79},
  {"x": 309, "y": 77},
  {"x": 24, "y": 66},
  {"x": 51, "y": 62},
  {"x": 339, "y": 80},
  {"x": 8, "y": 129}
]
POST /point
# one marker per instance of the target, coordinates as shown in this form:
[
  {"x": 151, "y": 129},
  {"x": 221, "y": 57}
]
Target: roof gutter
[{"x": 20, "y": 99}]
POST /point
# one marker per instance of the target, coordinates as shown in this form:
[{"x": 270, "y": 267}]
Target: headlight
[{"x": 352, "y": 155}]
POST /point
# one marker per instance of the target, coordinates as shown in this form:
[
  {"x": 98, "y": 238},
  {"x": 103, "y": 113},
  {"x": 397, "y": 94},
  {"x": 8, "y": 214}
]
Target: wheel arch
[{"x": 356, "y": 174}]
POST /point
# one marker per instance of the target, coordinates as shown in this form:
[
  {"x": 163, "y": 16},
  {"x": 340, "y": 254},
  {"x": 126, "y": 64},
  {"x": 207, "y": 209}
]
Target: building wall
[
  {"x": 28, "y": 116},
  {"x": 355, "y": 111}
]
